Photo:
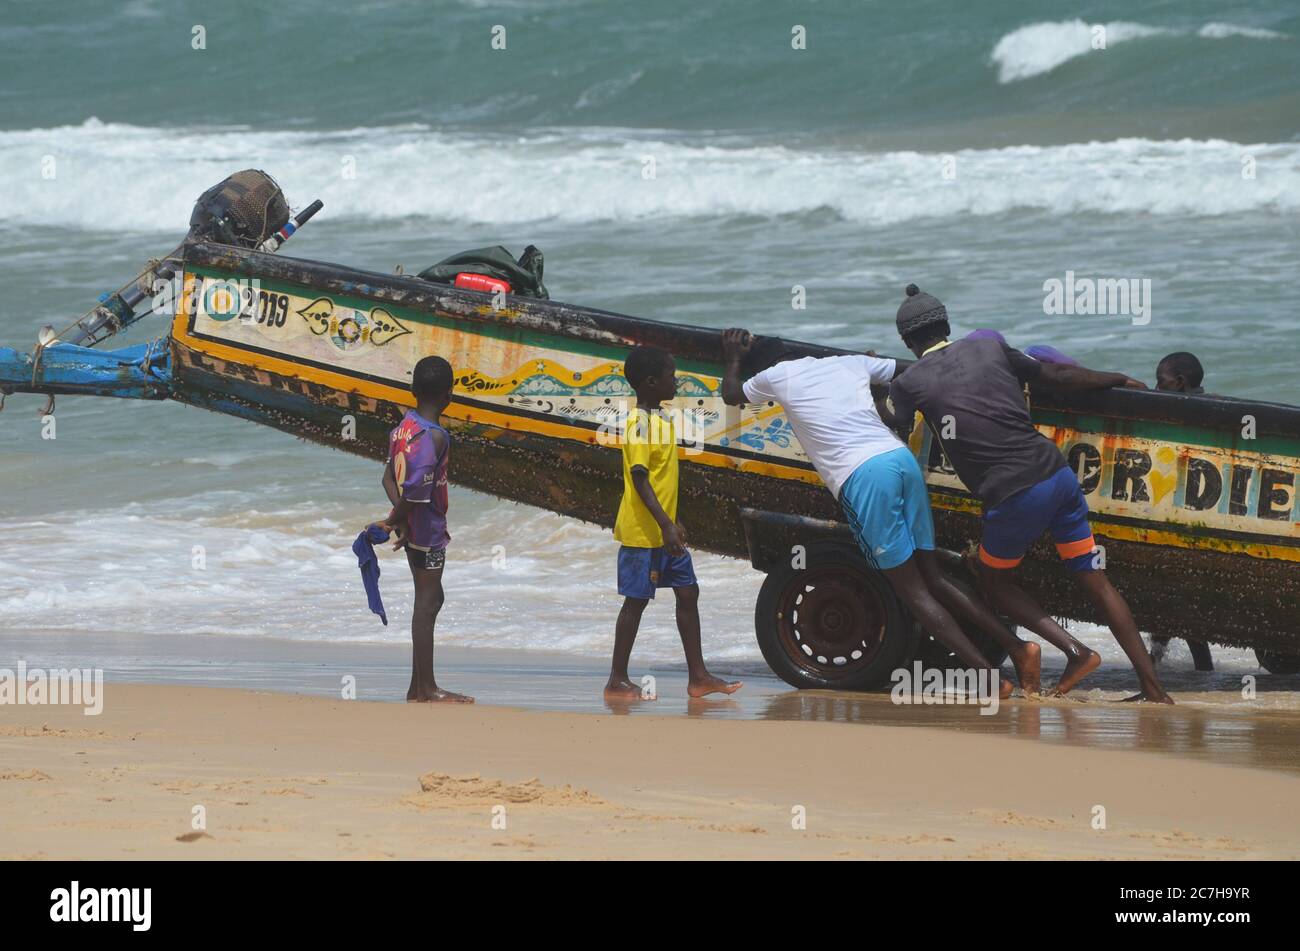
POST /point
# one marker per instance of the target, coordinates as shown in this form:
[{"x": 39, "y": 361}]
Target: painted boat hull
[{"x": 1200, "y": 524}]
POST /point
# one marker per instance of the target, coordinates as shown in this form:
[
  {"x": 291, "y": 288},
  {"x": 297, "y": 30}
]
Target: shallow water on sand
[{"x": 1206, "y": 725}]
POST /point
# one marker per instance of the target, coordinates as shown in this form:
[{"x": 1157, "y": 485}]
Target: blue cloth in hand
[{"x": 368, "y": 561}]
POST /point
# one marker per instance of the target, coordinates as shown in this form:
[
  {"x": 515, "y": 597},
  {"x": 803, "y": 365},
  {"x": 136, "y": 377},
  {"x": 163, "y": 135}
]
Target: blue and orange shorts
[{"x": 1057, "y": 505}]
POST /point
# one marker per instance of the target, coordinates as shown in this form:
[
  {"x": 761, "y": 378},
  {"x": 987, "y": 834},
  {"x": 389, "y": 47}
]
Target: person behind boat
[
  {"x": 415, "y": 479},
  {"x": 1181, "y": 372},
  {"x": 971, "y": 393},
  {"x": 876, "y": 479},
  {"x": 652, "y": 552}
]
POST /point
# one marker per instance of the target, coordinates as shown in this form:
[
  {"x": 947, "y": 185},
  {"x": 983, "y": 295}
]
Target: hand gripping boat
[{"x": 1195, "y": 501}]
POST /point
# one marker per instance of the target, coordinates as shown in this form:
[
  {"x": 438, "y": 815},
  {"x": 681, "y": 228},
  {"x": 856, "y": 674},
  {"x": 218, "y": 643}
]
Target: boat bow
[{"x": 141, "y": 372}]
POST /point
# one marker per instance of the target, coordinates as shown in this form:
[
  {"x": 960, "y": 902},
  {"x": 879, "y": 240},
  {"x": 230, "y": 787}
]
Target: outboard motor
[
  {"x": 247, "y": 210},
  {"x": 244, "y": 211}
]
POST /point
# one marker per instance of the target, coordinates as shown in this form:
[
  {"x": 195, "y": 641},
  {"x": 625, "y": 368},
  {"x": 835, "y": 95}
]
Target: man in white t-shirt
[{"x": 877, "y": 480}]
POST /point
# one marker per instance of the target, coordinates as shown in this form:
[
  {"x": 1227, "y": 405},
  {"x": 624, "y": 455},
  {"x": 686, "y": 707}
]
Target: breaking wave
[
  {"x": 122, "y": 177},
  {"x": 1039, "y": 48}
]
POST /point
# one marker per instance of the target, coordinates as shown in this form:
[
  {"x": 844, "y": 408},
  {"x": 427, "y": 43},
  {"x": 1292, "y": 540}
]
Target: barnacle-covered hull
[{"x": 1194, "y": 499}]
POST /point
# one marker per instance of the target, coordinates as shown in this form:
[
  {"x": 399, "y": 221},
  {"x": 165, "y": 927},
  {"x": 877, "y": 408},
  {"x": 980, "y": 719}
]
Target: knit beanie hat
[{"x": 919, "y": 311}]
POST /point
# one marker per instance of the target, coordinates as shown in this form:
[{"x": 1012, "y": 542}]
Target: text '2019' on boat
[{"x": 1194, "y": 499}]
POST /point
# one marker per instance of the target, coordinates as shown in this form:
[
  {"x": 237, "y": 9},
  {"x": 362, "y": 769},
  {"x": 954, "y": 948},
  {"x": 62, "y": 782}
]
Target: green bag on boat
[{"x": 524, "y": 276}]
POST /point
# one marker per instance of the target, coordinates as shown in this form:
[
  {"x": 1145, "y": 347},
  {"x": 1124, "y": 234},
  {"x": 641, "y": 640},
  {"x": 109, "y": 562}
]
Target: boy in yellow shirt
[{"x": 653, "y": 553}]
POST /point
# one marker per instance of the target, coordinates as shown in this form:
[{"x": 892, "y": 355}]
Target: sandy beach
[
  {"x": 290, "y": 776},
  {"x": 1000, "y": 280}
]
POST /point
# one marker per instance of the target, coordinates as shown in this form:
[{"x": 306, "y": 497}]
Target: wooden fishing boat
[{"x": 1194, "y": 499}]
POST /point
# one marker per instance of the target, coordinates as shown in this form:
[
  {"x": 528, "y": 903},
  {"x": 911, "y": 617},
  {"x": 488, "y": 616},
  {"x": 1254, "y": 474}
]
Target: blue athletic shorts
[
  {"x": 1056, "y": 504},
  {"x": 888, "y": 508},
  {"x": 641, "y": 570}
]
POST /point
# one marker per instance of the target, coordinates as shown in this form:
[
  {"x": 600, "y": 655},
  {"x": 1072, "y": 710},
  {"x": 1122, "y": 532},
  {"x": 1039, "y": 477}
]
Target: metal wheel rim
[{"x": 831, "y": 621}]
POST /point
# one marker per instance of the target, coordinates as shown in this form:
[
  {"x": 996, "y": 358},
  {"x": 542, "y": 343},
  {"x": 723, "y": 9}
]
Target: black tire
[
  {"x": 1276, "y": 662},
  {"x": 934, "y": 654},
  {"x": 834, "y": 624}
]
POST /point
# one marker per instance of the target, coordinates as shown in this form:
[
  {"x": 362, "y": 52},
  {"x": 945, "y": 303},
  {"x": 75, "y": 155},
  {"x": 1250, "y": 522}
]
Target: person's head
[
  {"x": 652, "y": 372},
  {"x": 766, "y": 352},
  {"x": 1179, "y": 372},
  {"x": 431, "y": 382},
  {"x": 922, "y": 321}
]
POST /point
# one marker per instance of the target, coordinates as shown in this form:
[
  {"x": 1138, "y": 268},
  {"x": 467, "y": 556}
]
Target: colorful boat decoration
[{"x": 1195, "y": 499}]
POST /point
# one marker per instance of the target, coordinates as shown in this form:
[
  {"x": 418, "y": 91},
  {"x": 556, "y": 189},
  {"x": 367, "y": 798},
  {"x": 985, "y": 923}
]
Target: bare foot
[
  {"x": 438, "y": 695},
  {"x": 1004, "y": 688},
  {"x": 1078, "y": 668},
  {"x": 1154, "y": 696},
  {"x": 710, "y": 684},
  {"x": 620, "y": 688},
  {"x": 1028, "y": 661}
]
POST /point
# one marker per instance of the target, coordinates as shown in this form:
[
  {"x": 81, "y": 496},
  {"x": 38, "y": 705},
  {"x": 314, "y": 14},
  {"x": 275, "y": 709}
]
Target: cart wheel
[
  {"x": 1276, "y": 662},
  {"x": 834, "y": 624}
]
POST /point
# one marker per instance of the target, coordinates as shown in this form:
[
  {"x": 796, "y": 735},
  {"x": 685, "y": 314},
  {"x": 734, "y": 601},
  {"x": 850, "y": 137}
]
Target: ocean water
[{"x": 976, "y": 149}]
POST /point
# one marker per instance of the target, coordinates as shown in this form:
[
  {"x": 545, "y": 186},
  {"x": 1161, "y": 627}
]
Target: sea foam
[{"x": 114, "y": 177}]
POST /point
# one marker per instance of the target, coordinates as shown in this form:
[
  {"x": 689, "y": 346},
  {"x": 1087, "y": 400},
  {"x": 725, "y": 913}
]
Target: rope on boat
[
  {"x": 150, "y": 271},
  {"x": 36, "y": 360},
  {"x": 149, "y": 276},
  {"x": 148, "y": 355}
]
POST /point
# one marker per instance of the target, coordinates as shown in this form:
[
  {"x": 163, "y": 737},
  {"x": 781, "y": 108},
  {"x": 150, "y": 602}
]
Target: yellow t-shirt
[{"x": 650, "y": 442}]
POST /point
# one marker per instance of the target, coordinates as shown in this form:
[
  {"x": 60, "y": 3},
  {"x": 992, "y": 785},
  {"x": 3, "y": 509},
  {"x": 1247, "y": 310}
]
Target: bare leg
[
  {"x": 620, "y": 685},
  {"x": 1009, "y": 598},
  {"x": 910, "y": 586},
  {"x": 1114, "y": 609},
  {"x": 1159, "y": 645},
  {"x": 1201, "y": 655},
  {"x": 701, "y": 682},
  {"x": 428, "y": 602},
  {"x": 1024, "y": 655}
]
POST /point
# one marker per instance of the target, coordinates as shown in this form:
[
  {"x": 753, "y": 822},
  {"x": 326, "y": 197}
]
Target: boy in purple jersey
[{"x": 415, "y": 479}]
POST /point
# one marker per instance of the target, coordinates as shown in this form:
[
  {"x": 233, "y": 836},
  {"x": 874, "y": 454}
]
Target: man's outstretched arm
[
  {"x": 735, "y": 344},
  {"x": 1060, "y": 376}
]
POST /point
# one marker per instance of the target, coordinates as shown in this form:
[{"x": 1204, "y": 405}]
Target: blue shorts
[
  {"x": 641, "y": 570},
  {"x": 1056, "y": 504},
  {"x": 888, "y": 508}
]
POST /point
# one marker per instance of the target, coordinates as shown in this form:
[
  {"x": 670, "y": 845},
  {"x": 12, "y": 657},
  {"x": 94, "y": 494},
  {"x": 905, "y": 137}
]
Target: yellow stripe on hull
[{"x": 499, "y": 384}]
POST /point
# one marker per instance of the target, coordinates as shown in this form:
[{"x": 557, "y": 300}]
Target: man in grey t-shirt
[{"x": 971, "y": 393}]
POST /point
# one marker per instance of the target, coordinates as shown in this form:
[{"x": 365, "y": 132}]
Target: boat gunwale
[{"x": 702, "y": 344}]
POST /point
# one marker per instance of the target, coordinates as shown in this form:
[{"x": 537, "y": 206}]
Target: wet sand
[
  {"x": 292, "y": 776},
  {"x": 281, "y": 774},
  {"x": 1213, "y": 722}
]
